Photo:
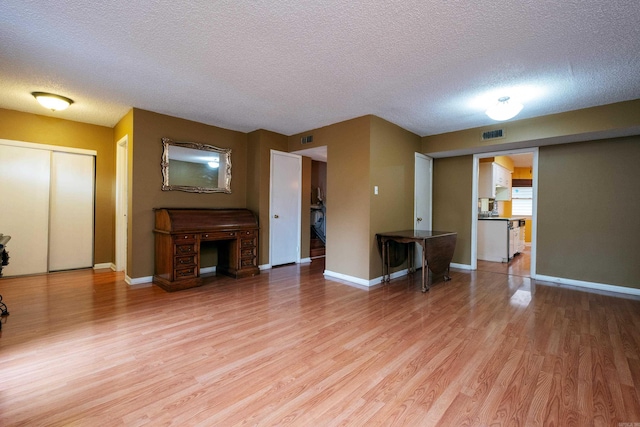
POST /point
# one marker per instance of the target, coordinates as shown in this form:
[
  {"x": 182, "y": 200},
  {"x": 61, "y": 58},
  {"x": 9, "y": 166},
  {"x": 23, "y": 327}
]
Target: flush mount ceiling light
[
  {"x": 51, "y": 101},
  {"x": 505, "y": 109}
]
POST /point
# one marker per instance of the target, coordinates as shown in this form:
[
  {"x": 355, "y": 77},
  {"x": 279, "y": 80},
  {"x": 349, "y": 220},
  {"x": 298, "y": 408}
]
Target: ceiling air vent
[
  {"x": 306, "y": 139},
  {"x": 493, "y": 134}
]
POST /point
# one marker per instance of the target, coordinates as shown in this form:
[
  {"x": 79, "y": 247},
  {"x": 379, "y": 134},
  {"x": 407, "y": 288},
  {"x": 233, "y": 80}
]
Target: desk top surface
[
  {"x": 416, "y": 234},
  {"x": 172, "y": 220}
]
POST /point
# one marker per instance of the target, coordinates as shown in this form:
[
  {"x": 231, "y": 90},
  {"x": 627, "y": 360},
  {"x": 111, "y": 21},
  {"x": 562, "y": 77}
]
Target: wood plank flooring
[{"x": 290, "y": 347}]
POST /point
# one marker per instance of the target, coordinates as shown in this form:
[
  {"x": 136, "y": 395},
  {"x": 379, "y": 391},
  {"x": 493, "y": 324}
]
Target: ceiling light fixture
[
  {"x": 505, "y": 109},
  {"x": 51, "y": 101}
]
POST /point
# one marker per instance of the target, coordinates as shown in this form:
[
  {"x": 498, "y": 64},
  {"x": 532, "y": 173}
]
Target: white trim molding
[
  {"x": 102, "y": 265},
  {"x": 460, "y": 266},
  {"x": 588, "y": 285},
  {"x": 138, "y": 280},
  {"x": 305, "y": 260},
  {"x": 363, "y": 282},
  {"x": 265, "y": 267}
]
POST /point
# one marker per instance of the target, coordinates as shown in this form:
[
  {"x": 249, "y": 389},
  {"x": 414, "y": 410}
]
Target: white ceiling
[{"x": 291, "y": 66}]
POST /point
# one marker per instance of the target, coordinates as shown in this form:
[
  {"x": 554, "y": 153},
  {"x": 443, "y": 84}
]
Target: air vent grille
[
  {"x": 306, "y": 139},
  {"x": 493, "y": 134}
]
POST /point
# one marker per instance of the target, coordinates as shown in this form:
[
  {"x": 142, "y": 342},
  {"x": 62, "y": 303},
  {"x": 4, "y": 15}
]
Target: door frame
[
  {"x": 474, "y": 204},
  {"x": 122, "y": 157},
  {"x": 298, "y": 216},
  {"x": 430, "y": 201},
  {"x": 429, "y": 224}
]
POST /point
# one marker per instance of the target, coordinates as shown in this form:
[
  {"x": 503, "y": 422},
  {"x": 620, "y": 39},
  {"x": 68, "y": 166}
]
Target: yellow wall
[
  {"x": 523, "y": 173},
  {"x": 26, "y": 127}
]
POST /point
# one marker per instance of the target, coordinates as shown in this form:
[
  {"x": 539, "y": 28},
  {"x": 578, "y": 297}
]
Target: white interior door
[
  {"x": 71, "y": 211},
  {"x": 121, "y": 203},
  {"x": 24, "y": 174},
  {"x": 284, "y": 208},
  {"x": 422, "y": 198}
]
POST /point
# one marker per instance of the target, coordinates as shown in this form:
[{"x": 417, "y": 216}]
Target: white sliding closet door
[
  {"x": 71, "y": 211},
  {"x": 24, "y": 209}
]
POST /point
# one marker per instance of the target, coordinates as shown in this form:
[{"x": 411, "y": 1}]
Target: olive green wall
[
  {"x": 348, "y": 185},
  {"x": 564, "y": 223},
  {"x": 148, "y": 129},
  {"x": 392, "y": 169},
  {"x": 452, "y": 188},
  {"x": 588, "y": 201},
  {"x": 585, "y": 124},
  {"x": 26, "y": 127},
  {"x": 260, "y": 144},
  {"x": 363, "y": 153}
]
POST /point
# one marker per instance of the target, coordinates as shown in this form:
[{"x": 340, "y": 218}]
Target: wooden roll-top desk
[{"x": 179, "y": 232}]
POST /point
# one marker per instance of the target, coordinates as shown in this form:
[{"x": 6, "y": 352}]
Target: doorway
[{"x": 523, "y": 264}]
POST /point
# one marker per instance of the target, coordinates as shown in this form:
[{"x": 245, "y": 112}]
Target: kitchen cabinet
[
  {"x": 499, "y": 239},
  {"x": 494, "y": 182}
]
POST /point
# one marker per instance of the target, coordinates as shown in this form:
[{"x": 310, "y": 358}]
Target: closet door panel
[
  {"x": 71, "y": 211},
  {"x": 24, "y": 210}
]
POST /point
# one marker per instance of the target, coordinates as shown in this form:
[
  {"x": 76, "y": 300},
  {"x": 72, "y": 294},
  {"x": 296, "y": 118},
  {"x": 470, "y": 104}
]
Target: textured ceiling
[{"x": 291, "y": 66}]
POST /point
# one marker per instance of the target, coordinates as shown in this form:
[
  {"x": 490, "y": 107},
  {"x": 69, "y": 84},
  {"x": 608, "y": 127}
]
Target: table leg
[
  {"x": 385, "y": 257},
  {"x": 425, "y": 273}
]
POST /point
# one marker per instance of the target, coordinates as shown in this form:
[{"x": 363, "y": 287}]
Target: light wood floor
[
  {"x": 519, "y": 265},
  {"x": 292, "y": 348}
]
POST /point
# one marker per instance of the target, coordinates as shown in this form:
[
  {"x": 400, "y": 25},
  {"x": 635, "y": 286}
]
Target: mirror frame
[{"x": 225, "y": 153}]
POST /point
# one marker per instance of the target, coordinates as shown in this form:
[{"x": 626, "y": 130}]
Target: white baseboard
[
  {"x": 588, "y": 285},
  {"x": 363, "y": 282},
  {"x": 305, "y": 261},
  {"x": 460, "y": 266},
  {"x": 110, "y": 265},
  {"x": 264, "y": 266},
  {"x": 347, "y": 278},
  {"x": 139, "y": 280},
  {"x": 206, "y": 270}
]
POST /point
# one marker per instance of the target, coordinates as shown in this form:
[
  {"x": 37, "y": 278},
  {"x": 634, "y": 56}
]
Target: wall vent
[
  {"x": 306, "y": 139},
  {"x": 493, "y": 134}
]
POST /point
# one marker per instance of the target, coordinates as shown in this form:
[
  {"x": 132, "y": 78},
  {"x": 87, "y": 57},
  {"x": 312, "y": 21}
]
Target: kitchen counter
[
  {"x": 500, "y": 238},
  {"x": 502, "y": 218}
]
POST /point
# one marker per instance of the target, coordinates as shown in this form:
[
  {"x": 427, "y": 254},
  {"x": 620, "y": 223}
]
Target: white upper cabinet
[{"x": 494, "y": 182}]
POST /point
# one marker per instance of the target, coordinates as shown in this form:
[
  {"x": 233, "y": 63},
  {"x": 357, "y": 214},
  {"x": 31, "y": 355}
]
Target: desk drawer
[
  {"x": 247, "y": 252},
  {"x": 178, "y": 238},
  {"x": 219, "y": 235},
  {"x": 185, "y": 261},
  {"x": 248, "y": 262},
  {"x": 247, "y": 243},
  {"x": 184, "y": 273},
  {"x": 185, "y": 249}
]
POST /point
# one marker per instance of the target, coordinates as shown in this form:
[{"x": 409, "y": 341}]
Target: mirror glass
[{"x": 196, "y": 168}]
